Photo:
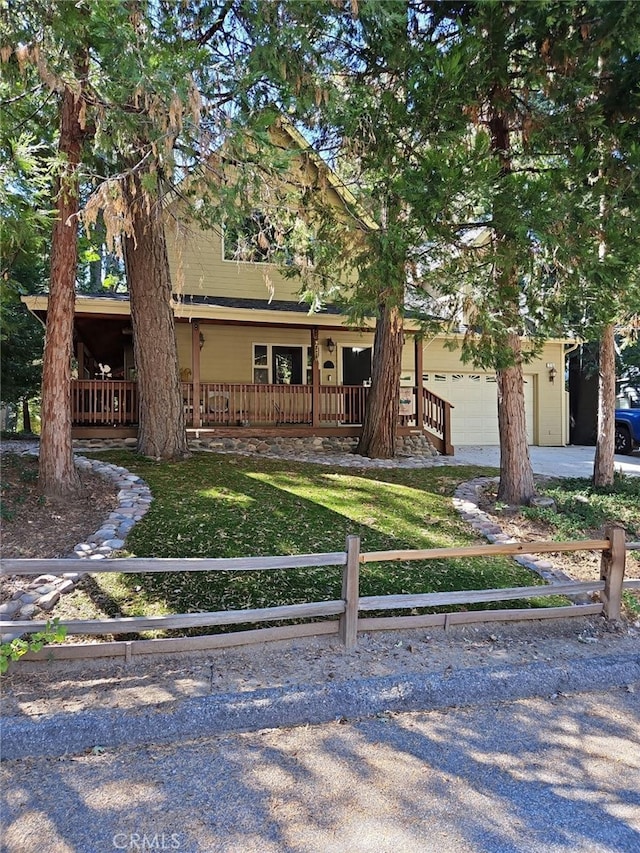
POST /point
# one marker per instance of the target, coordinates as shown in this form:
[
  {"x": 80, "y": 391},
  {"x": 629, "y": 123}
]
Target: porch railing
[
  {"x": 98, "y": 402},
  {"x": 104, "y": 402},
  {"x": 436, "y": 419},
  {"x": 222, "y": 403}
]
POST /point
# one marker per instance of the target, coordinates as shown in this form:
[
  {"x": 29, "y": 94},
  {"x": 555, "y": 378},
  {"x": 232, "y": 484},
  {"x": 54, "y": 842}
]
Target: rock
[
  {"x": 542, "y": 502},
  {"x": 9, "y": 608},
  {"x": 47, "y": 602},
  {"x": 105, "y": 533}
]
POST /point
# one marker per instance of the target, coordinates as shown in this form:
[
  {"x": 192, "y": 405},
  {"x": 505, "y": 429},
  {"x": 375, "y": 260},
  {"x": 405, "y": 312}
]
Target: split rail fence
[{"x": 348, "y": 608}]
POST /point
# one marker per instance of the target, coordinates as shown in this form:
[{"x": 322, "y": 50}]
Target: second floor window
[{"x": 254, "y": 239}]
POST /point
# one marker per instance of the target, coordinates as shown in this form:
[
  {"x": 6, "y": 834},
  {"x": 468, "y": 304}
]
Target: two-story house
[{"x": 253, "y": 360}]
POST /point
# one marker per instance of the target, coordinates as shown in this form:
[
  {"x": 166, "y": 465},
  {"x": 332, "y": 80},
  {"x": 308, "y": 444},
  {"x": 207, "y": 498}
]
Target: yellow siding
[
  {"x": 198, "y": 269},
  {"x": 551, "y": 397},
  {"x": 183, "y": 340},
  {"x": 227, "y": 356},
  {"x": 227, "y": 353},
  {"x": 196, "y": 256}
]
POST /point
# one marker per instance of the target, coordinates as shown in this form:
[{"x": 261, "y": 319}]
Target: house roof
[
  {"x": 217, "y": 308},
  {"x": 253, "y": 304},
  {"x": 348, "y": 198}
]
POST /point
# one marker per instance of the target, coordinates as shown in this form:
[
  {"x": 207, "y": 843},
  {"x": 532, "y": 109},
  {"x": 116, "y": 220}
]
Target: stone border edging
[
  {"x": 412, "y": 451},
  {"x": 465, "y": 500}
]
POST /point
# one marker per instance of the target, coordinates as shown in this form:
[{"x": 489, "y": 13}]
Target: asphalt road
[{"x": 531, "y": 776}]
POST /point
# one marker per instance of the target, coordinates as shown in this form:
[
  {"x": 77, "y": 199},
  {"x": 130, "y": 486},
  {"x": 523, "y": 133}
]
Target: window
[
  {"x": 255, "y": 239},
  {"x": 282, "y": 365},
  {"x": 260, "y": 364}
]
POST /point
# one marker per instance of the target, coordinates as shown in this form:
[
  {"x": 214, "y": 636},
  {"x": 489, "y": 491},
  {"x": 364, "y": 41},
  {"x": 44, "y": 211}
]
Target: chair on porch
[{"x": 217, "y": 408}]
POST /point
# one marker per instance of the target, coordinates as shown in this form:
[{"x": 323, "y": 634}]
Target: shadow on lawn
[{"x": 225, "y": 506}]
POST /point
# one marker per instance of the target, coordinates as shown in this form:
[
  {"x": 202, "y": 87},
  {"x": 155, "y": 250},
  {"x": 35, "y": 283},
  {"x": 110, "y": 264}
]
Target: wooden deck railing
[
  {"x": 98, "y": 402},
  {"x": 347, "y": 608},
  {"x": 245, "y": 404},
  {"x": 104, "y": 402}
]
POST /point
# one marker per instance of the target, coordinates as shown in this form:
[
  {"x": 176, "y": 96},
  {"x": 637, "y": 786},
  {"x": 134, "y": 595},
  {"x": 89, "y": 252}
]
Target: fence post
[
  {"x": 350, "y": 593},
  {"x": 612, "y": 571}
]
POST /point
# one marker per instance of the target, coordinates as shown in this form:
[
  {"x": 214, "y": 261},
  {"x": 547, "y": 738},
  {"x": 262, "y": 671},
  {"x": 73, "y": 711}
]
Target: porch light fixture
[
  {"x": 330, "y": 345},
  {"x": 201, "y": 340},
  {"x": 552, "y": 371}
]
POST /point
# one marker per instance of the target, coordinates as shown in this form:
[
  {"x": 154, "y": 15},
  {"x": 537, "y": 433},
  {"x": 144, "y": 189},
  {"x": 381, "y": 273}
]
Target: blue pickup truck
[{"x": 627, "y": 430}]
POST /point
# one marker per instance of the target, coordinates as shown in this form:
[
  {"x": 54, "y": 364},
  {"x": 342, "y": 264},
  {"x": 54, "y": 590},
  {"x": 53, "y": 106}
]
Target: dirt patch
[
  {"x": 35, "y": 688},
  {"x": 33, "y": 526},
  {"x": 579, "y": 565}
]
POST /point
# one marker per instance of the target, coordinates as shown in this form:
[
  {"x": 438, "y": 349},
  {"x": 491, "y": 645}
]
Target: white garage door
[{"x": 475, "y": 397}]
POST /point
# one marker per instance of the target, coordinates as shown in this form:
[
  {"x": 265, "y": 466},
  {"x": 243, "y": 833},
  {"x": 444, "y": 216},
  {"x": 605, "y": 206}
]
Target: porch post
[
  {"x": 417, "y": 342},
  {"x": 80, "y": 358},
  {"x": 195, "y": 371},
  {"x": 315, "y": 376}
]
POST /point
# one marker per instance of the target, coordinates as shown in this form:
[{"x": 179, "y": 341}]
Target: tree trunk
[
  {"x": 516, "y": 475},
  {"x": 380, "y": 425},
  {"x": 603, "y": 466},
  {"x": 95, "y": 266},
  {"x": 26, "y": 415},
  {"x": 161, "y": 433},
  {"x": 58, "y": 475}
]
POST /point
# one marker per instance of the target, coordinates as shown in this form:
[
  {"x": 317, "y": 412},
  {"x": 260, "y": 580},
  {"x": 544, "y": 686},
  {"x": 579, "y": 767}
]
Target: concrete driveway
[{"x": 557, "y": 461}]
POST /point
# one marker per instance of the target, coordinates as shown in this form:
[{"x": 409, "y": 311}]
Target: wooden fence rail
[{"x": 609, "y": 587}]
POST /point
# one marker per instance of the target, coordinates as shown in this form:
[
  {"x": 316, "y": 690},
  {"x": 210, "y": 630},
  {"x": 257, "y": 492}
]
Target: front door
[
  {"x": 356, "y": 370},
  {"x": 356, "y": 365}
]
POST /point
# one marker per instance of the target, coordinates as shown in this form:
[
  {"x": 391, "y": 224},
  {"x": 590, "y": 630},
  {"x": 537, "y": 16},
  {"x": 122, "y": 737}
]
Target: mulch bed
[{"x": 34, "y": 526}]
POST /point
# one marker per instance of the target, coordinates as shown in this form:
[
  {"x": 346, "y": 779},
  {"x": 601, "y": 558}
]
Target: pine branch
[{"x": 217, "y": 24}]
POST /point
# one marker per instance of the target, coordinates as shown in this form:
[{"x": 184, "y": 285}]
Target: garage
[{"x": 475, "y": 397}]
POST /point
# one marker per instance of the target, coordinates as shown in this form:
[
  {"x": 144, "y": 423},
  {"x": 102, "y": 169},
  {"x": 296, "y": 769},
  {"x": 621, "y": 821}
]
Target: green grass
[{"x": 226, "y": 506}]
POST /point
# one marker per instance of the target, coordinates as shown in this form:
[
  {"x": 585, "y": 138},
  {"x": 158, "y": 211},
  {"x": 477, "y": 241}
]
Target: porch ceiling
[{"x": 104, "y": 337}]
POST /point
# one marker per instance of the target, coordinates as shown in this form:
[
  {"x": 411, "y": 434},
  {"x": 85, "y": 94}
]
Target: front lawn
[{"x": 232, "y": 506}]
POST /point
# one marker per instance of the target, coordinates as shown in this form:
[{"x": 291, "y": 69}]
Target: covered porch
[
  {"x": 248, "y": 367},
  {"x": 105, "y": 408}
]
